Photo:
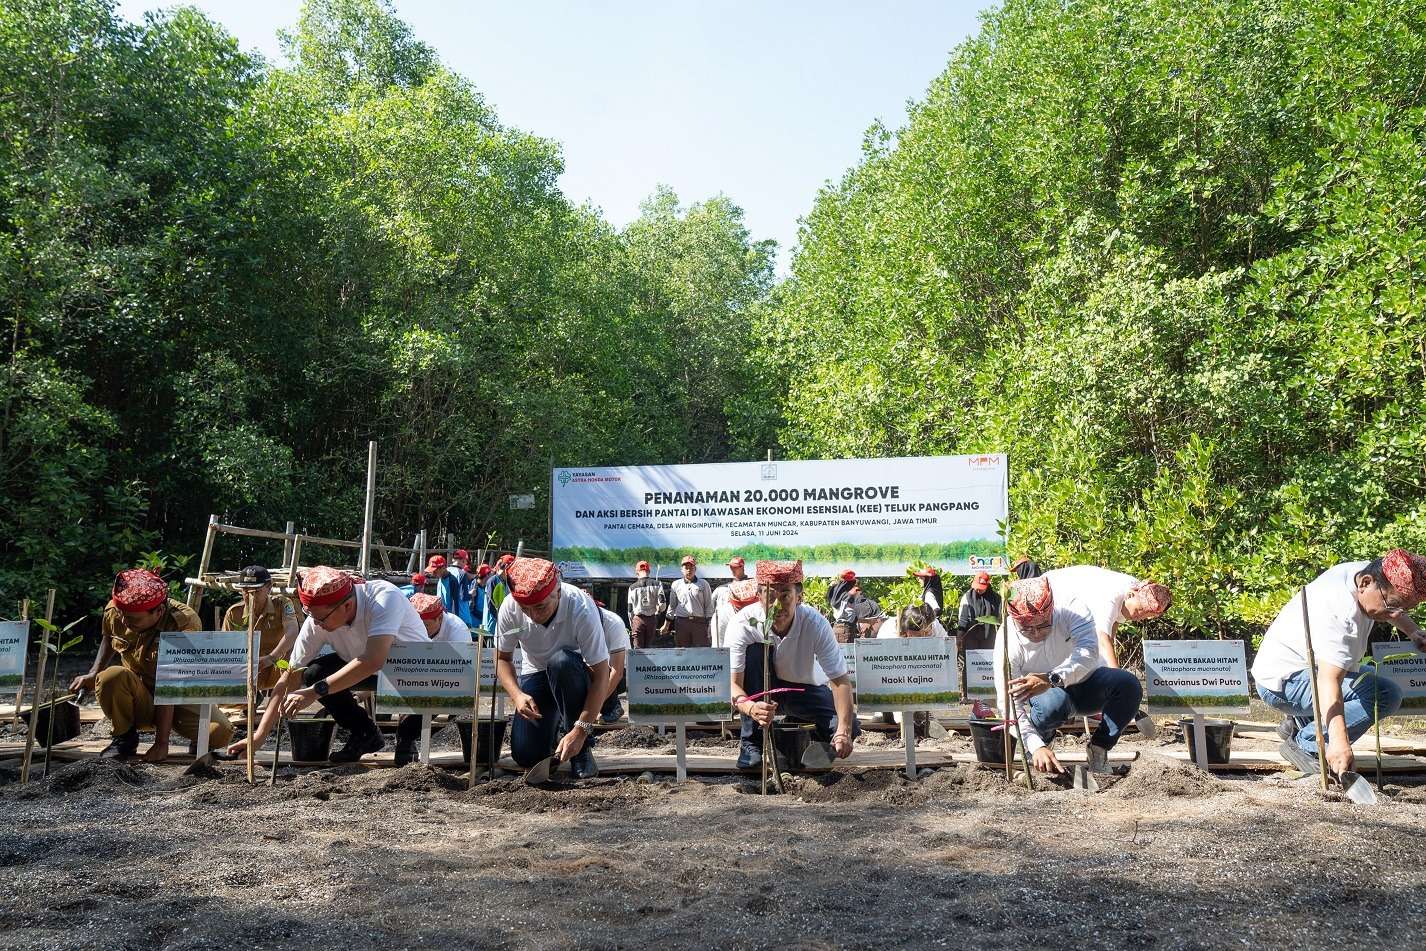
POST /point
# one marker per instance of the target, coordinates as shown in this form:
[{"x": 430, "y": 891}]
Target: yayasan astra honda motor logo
[{"x": 564, "y": 477}]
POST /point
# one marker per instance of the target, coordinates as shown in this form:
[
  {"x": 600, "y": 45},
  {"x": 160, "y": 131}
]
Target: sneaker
[
  {"x": 1147, "y": 728},
  {"x": 358, "y": 745},
  {"x": 613, "y": 716},
  {"x": 750, "y": 757},
  {"x": 1301, "y": 760},
  {"x": 583, "y": 765},
  {"x": 405, "y": 751},
  {"x": 1096, "y": 760},
  {"x": 122, "y": 746},
  {"x": 1287, "y": 729}
]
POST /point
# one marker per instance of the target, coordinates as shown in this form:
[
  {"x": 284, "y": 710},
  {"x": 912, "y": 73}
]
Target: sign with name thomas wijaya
[
  {"x": 670, "y": 684},
  {"x": 435, "y": 677},
  {"x": 872, "y": 515},
  {"x": 14, "y": 646},
  {"x": 980, "y": 675},
  {"x": 1199, "y": 677},
  {"x": 199, "y": 667},
  {"x": 1409, "y": 674},
  {"x": 906, "y": 673}
]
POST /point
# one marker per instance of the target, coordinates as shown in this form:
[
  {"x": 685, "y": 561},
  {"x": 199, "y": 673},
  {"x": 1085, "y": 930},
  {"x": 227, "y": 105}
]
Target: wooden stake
[
  {"x": 475, "y": 708},
  {"x": 195, "y": 591},
  {"x": 20, "y": 691},
  {"x": 1005, "y": 672},
  {"x": 252, "y": 677},
  {"x": 39, "y": 685},
  {"x": 1316, "y": 703},
  {"x": 1200, "y": 742},
  {"x": 369, "y": 512},
  {"x": 680, "y": 749},
  {"x": 908, "y": 736}
]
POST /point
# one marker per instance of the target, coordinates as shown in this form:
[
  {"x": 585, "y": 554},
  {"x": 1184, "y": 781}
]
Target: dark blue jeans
[
  {"x": 559, "y": 691},
  {"x": 1108, "y": 690},
  {"x": 1360, "y": 703},
  {"x": 814, "y": 704}
]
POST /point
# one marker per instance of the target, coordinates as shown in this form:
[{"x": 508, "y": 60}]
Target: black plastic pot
[
  {"x": 483, "y": 745},
  {"x": 791, "y": 741},
  {"x": 66, "y": 721},
  {"x": 989, "y": 742},
  {"x": 1219, "y": 735},
  {"x": 311, "y": 738}
]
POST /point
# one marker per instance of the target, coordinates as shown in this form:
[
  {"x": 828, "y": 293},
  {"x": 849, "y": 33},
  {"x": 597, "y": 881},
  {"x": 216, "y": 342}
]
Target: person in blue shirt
[
  {"x": 417, "y": 585},
  {"x": 451, "y": 587}
]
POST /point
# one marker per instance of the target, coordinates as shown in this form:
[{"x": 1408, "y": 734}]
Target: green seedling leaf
[
  {"x": 45, "y": 625},
  {"x": 282, "y": 665},
  {"x": 988, "y": 619},
  {"x": 72, "y": 642}
]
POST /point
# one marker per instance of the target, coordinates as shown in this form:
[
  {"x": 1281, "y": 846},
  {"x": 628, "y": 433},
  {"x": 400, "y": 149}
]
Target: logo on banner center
[{"x": 769, "y": 471}]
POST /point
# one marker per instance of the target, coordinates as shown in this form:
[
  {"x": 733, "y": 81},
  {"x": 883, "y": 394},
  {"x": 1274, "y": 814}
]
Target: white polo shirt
[
  {"x": 1099, "y": 589},
  {"x": 1340, "y": 628},
  {"x": 576, "y": 625},
  {"x": 381, "y": 611},
  {"x": 616, "y": 634},
  {"x": 808, "y": 645},
  {"x": 690, "y": 599},
  {"x": 453, "y": 630}
]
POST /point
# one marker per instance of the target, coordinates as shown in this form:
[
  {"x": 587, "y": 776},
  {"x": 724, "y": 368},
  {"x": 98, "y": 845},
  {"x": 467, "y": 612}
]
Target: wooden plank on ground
[{"x": 1271, "y": 760}]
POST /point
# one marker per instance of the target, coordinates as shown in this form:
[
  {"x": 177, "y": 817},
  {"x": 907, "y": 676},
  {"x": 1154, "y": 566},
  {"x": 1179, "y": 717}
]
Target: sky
[{"x": 764, "y": 102}]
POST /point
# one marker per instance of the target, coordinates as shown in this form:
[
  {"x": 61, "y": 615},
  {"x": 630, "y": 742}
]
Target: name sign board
[
  {"x": 1409, "y": 675},
  {"x": 14, "y": 646},
  {"x": 906, "y": 673},
  {"x": 202, "y": 667},
  {"x": 980, "y": 675},
  {"x": 435, "y": 677},
  {"x": 1196, "y": 677},
  {"x": 672, "y": 684}
]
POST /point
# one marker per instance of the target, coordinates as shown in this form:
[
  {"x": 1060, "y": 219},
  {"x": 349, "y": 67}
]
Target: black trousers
[{"x": 340, "y": 704}]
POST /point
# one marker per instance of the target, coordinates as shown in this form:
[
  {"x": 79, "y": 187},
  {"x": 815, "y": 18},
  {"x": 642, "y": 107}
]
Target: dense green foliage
[
  {"x": 1171, "y": 262},
  {"x": 219, "y": 279}
]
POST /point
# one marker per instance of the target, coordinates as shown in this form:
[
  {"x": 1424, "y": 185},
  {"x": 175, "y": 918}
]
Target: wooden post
[
  {"x": 421, "y": 544},
  {"x": 195, "y": 591},
  {"x": 287, "y": 542},
  {"x": 475, "y": 709},
  {"x": 908, "y": 736},
  {"x": 1200, "y": 742},
  {"x": 296, "y": 563},
  {"x": 252, "y": 678},
  {"x": 39, "y": 686},
  {"x": 1005, "y": 673},
  {"x": 364, "y": 562},
  {"x": 20, "y": 691},
  {"x": 1316, "y": 703},
  {"x": 680, "y": 748},
  {"x": 425, "y": 739}
]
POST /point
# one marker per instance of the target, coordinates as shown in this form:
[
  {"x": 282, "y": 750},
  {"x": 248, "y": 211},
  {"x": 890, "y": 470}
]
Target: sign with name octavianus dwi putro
[
  {"x": 872, "y": 515},
  {"x": 1196, "y": 677}
]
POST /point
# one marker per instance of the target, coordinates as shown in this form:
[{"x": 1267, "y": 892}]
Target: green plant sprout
[{"x": 1376, "y": 698}]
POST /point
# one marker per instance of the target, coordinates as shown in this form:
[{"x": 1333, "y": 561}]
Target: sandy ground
[{"x": 106, "y": 855}]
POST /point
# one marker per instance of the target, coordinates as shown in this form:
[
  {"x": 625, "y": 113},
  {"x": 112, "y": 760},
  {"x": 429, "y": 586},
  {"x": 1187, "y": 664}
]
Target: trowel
[
  {"x": 1358, "y": 790},
  {"x": 540, "y": 773}
]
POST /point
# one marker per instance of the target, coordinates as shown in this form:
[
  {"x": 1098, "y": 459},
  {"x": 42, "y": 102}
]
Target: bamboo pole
[
  {"x": 287, "y": 541},
  {"x": 475, "y": 708},
  {"x": 195, "y": 591},
  {"x": 39, "y": 684},
  {"x": 369, "y": 512},
  {"x": 1005, "y": 673},
  {"x": 252, "y": 677},
  {"x": 1316, "y": 702},
  {"x": 20, "y": 692}
]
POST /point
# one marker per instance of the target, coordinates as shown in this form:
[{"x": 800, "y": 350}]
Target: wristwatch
[
  {"x": 321, "y": 687},
  {"x": 1056, "y": 680}
]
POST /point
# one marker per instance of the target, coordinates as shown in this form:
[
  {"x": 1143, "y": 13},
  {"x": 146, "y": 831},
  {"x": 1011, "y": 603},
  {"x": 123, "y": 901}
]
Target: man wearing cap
[
  {"x": 1056, "y": 673},
  {"x": 646, "y": 603},
  {"x": 801, "y": 642},
  {"x": 359, "y": 622},
  {"x": 497, "y": 589},
  {"x": 1342, "y": 604},
  {"x": 139, "y": 610},
  {"x": 442, "y": 626},
  {"x": 840, "y": 591},
  {"x": 479, "y": 596},
  {"x": 564, "y": 671},
  {"x": 417, "y": 585},
  {"x": 690, "y": 607},
  {"x": 978, "y": 601},
  {"x": 452, "y": 586},
  {"x": 276, "y": 622}
]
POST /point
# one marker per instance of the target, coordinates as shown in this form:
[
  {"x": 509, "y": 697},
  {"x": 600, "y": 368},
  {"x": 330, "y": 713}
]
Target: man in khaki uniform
[
  {"x": 138, "y": 611},
  {"x": 276, "y": 622}
]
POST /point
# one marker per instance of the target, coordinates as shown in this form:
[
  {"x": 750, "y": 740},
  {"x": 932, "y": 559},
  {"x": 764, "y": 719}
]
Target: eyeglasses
[{"x": 322, "y": 621}]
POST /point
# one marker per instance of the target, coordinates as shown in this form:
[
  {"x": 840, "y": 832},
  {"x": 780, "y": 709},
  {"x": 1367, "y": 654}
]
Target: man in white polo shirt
[
  {"x": 359, "y": 622},
  {"x": 802, "y": 641},
  {"x": 564, "y": 673},
  {"x": 1056, "y": 673},
  {"x": 442, "y": 626},
  {"x": 1342, "y": 604}
]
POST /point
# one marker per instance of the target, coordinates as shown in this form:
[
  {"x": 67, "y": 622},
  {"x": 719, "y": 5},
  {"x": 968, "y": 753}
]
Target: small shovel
[
  {"x": 539, "y": 774},
  {"x": 1357, "y": 789}
]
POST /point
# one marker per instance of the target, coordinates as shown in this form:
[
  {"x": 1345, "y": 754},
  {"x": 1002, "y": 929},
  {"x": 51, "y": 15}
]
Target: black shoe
[
  {"x": 358, "y": 745},
  {"x": 122, "y": 746},
  {"x": 1287, "y": 729},
  {"x": 583, "y": 765},
  {"x": 405, "y": 751},
  {"x": 750, "y": 757},
  {"x": 1301, "y": 760}
]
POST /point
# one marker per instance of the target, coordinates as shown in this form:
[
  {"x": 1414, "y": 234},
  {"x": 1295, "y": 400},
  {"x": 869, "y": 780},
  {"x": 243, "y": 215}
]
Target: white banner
[
  {"x": 875, "y": 516},
  {"x": 1408, "y": 674},
  {"x": 1207, "y": 677},
  {"x": 907, "y": 673},
  {"x": 670, "y": 684},
  {"x": 14, "y": 646},
  {"x": 435, "y": 677},
  {"x": 201, "y": 667}
]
